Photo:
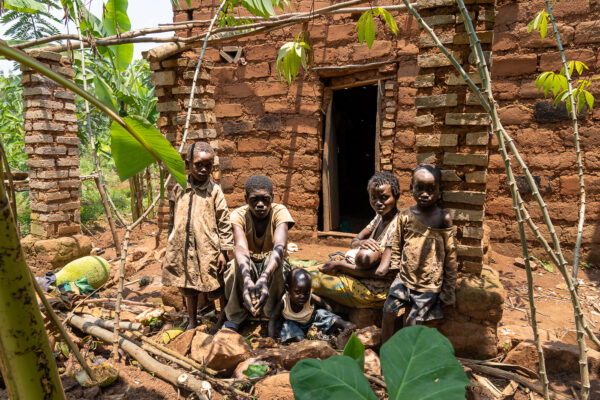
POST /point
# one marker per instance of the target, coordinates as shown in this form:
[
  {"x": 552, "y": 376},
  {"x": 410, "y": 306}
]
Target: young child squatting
[
  {"x": 196, "y": 254},
  {"x": 424, "y": 251},
  {"x": 302, "y": 309}
]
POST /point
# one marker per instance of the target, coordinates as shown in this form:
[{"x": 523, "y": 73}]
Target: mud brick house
[{"x": 359, "y": 110}]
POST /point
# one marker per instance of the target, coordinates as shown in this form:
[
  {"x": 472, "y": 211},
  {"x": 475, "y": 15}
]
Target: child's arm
[
  {"x": 223, "y": 228},
  {"x": 242, "y": 257},
  {"x": 397, "y": 243},
  {"x": 447, "y": 295},
  {"x": 362, "y": 240},
  {"x": 384, "y": 264},
  {"x": 275, "y": 315},
  {"x": 280, "y": 238},
  {"x": 320, "y": 303}
]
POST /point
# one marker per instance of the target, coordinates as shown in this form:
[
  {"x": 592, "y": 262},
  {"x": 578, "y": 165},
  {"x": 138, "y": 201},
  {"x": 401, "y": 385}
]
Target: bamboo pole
[{"x": 11, "y": 186}]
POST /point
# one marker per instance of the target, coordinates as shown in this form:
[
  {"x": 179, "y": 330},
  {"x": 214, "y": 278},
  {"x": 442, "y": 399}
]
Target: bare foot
[
  {"x": 191, "y": 326},
  {"x": 329, "y": 268},
  {"x": 220, "y": 321}
]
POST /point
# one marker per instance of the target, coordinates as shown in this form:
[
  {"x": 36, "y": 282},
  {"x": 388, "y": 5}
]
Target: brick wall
[
  {"x": 544, "y": 135},
  {"x": 264, "y": 126},
  {"x": 51, "y": 144}
]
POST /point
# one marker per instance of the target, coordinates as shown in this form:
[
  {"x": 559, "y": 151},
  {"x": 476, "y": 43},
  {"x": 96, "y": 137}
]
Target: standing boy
[
  {"x": 197, "y": 248},
  {"x": 255, "y": 279}
]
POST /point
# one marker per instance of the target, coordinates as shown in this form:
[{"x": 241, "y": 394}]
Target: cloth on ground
[
  {"x": 348, "y": 290},
  {"x": 201, "y": 231},
  {"x": 322, "y": 319},
  {"x": 422, "y": 306}
]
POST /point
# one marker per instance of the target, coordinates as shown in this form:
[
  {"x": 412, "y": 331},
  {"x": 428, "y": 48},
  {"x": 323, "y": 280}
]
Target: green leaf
[
  {"x": 356, "y": 350},
  {"x": 104, "y": 93},
  {"x": 289, "y": 58},
  {"x": 26, "y": 6},
  {"x": 116, "y": 21},
  {"x": 589, "y": 99},
  {"x": 131, "y": 156},
  {"x": 389, "y": 20},
  {"x": 369, "y": 32},
  {"x": 256, "y": 370},
  {"x": 337, "y": 377},
  {"x": 418, "y": 363},
  {"x": 544, "y": 28}
]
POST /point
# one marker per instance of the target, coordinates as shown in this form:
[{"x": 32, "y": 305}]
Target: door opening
[{"x": 349, "y": 159}]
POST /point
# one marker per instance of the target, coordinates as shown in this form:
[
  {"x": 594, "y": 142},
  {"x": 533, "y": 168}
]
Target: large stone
[
  {"x": 221, "y": 352},
  {"x": 276, "y": 387},
  {"x": 372, "y": 363},
  {"x": 481, "y": 297},
  {"x": 171, "y": 296},
  {"x": 469, "y": 339},
  {"x": 559, "y": 357},
  {"x": 363, "y": 317},
  {"x": 47, "y": 255},
  {"x": 369, "y": 336},
  {"x": 183, "y": 342},
  {"x": 288, "y": 356}
]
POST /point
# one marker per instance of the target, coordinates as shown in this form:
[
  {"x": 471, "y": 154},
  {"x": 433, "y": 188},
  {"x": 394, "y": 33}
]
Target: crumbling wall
[
  {"x": 52, "y": 147},
  {"x": 264, "y": 126},
  {"x": 543, "y": 134}
]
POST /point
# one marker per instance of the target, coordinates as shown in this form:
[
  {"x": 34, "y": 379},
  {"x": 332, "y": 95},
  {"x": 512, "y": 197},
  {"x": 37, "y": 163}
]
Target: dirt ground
[{"x": 555, "y": 315}]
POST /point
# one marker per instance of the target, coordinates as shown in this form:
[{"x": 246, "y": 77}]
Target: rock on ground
[
  {"x": 221, "y": 352},
  {"x": 183, "y": 342},
  {"x": 372, "y": 363},
  {"x": 288, "y": 356},
  {"x": 50, "y": 254},
  {"x": 171, "y": 296},
  {"x": 276, "y": 387}
]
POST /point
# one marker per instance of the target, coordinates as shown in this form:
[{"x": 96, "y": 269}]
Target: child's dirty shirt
[
  {"x": 201, "y": 231},
  {"x": 425, "y": 257},
  {"x": 303, "y": 316},
  {"x": 261, "y": 247}
]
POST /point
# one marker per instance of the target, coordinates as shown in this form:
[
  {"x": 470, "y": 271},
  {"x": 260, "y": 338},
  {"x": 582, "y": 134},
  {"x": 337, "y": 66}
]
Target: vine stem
[
  {"x": 487, "y": 86},
  {"x": 583, "y": 365},
  {"x": 141, "y": 218}
]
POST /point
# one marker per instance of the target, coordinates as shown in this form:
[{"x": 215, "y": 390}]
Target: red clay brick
[
  {"x": 267, "y": 89},
  {"x": 553, "y": 62},
  {"x": 253, "y": 71},
  {"x": 513, "y": 65},
  {"x": 515, "y": 115},
  {"x": 228, "y": 110},
  {"x": 569, "y": 185},
  {"x": 252, "y": 145}
]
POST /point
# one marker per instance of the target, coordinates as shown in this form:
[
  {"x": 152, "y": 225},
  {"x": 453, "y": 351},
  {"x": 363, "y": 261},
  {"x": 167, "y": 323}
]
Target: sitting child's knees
[{"x": 367, "y": 259}]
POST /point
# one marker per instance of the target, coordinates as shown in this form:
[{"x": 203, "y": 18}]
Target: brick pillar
[
  {"x": 52, "y": 147},
  {"x": 453, "y": 129},
  {"x": 173, "y": 81},
  {"x": 388, "y": 125}
]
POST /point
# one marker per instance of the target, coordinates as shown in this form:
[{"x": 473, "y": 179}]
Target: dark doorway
[{"x": 349, "y": 159}]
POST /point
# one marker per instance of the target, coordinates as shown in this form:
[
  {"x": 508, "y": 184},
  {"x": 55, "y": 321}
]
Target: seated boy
[
  {"x": 301, "y": 309},
  {"x": 255, "y": 278}
]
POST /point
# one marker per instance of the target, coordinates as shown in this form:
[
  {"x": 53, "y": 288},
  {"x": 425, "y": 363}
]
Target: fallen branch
[
  {"x": 536, "y": 387},
  {"x": 110, "y": 324},
  {"x": 170, "y": 374}
]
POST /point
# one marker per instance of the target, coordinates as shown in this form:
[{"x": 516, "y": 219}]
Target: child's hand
[
  {"x": 221, "y": 264},
  {"x": 261, "y": 290},
  {"x": 370, "y": 244},
  {"x": 247, "y": 294}
]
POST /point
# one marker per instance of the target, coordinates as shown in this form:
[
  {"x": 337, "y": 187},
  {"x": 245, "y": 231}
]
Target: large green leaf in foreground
[
  {"x": 132, "y": 157},
  {"x": 418, "y": 363},
  {"x": 337, "y": 378}
]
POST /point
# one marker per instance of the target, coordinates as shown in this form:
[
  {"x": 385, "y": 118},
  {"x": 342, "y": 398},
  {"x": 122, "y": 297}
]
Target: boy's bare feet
[
  {"x": 329, "y": 268},
  {"x": 191, "y": 325}
]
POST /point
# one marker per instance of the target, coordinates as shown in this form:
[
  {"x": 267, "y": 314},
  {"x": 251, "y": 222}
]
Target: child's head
[
  {"x": 199, "y": 161},
  {"x": 259, "y": 195},
  {"x": 298, "y": 285},
  {"x": 384, "y": 192},
  {"x": 425, "y": 185}
]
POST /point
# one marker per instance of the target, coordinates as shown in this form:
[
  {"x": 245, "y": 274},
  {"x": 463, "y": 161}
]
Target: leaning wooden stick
[{"x": 52, "y": 315}]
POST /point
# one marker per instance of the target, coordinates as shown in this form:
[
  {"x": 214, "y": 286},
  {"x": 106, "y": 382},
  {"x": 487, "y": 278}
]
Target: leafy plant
[
  {"x": 291, "y": 55},
  {"x": 29, "y": 23},
  {"x": 256, "y": 370},
  {"x": 366, "y": 25},
  {"x": 417, "y": 362},
  {"x": 12, "y": 134}
]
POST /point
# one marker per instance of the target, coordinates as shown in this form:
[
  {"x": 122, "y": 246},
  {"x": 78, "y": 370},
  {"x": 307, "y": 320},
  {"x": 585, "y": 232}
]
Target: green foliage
[
  {"x": 355, "y": 350},
  {"x": 262, "y": 8},
  {"x": 291, "y": 55},
  {"x": 132, "y": 156},
  {"x": 26, "y": 6},
  {"x": 338, "y": 377},
  {"x": 27, "y": 26},
  {"x": 539, "y": 23},
  {"x": 11, "y": 122},
  {"x": 256, "y": 370},
  {"x": 558, "y": 84},
  {"x": 417, "y": 362},
  {"x": 116, "y": 22},
  {"x": 366, "y": 25},
  {"x": 188, "y": 2}
]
